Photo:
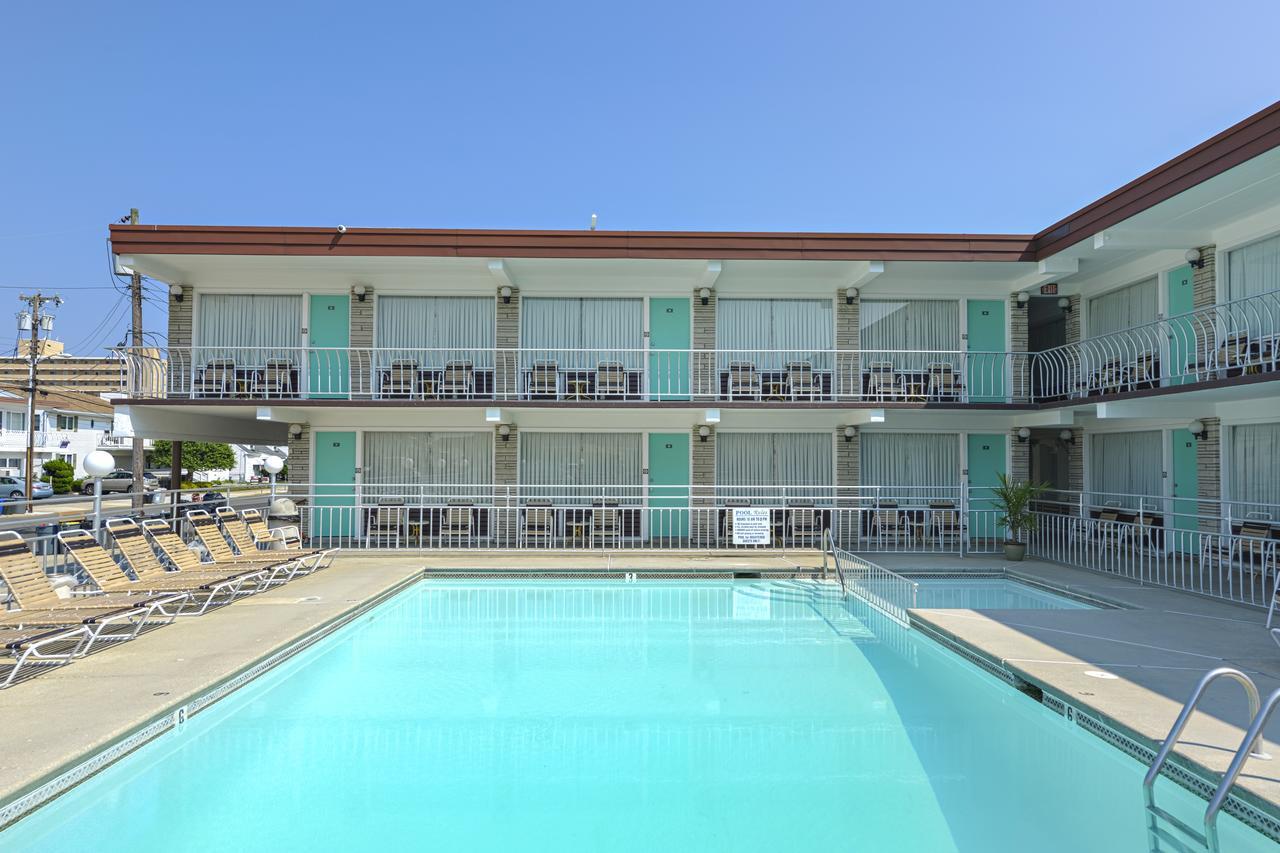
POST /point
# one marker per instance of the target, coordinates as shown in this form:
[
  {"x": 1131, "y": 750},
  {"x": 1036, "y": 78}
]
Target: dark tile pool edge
[
  {"x": 53, "y": 785},
  {"x": 1259, "y": 814}
]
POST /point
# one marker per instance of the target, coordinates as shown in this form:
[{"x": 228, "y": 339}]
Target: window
[
  {"x": 69, "y": 458},
  {"x": 1255, "y": 470},
  {"x": 67, "y": 422},
  {"x": 917, "y": 324},
  {"x": 580, "y": 333},
  {"x": 590, "y": 464},
  {"x": 431, "y": 466},
  {"x": 910, "y": 467},
  {"x": 771, "y": 332},
  {"x": 1253, "y": 269},
  {"x": 453, "y": 327},
  {"x": 758, "y": 465},
  {"x": 15, "y": 421},
  {"x": 1123, "y": 465},
  {"x": 1124, "y": 308},
  {"x": 248, "y": 328}
]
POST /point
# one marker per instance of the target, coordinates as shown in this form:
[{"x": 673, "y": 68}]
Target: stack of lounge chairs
[{"x": 151, "y": 579}]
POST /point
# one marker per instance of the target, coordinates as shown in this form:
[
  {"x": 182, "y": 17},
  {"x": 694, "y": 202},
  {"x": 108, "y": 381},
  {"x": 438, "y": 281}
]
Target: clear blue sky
[{"x": 899, "y": 116}]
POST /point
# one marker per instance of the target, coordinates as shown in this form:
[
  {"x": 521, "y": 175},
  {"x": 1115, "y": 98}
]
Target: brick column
[
  {"x": 507, "y": 340},
  {"x": 1073, "y": 320},
  {"x": 1075, "y": 461},
  {"x": 506, "y": 460},
  {"x": 300, "y": 473},
  {"x": 848, "y": 378},
  {"x": 1204, "y": 280},
  {"x": 178, "y": 365},
  {"x": 703, "y": 527},
  {"x": 1209, "y": 473},
  {"x": 1018, "y": 364},
  {"x": 844, "y": 526},
  {"x": 1019, "y": 458},
  {"x": 360, "y": 341},
  {"x": 706, "y": 378}
]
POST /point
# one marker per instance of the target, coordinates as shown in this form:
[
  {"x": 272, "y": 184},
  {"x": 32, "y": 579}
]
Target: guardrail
[{"x": 883, "y": 589}]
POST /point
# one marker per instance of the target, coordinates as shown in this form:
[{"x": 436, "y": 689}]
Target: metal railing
[{"x": 887, "y": 591}]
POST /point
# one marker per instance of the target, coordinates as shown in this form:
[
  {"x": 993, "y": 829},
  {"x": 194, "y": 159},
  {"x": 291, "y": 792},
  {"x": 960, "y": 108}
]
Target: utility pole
[
  {"x": 34, "y": 320},
  {"x": 139, "y": 486}
]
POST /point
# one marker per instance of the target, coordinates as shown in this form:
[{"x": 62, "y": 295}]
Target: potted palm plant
[{"x": 1013, "y": 500}]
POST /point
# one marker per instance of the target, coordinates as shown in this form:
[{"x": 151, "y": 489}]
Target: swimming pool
[
  {"x": 734, "y": 716},
  {"x": 989, "y": 594}
]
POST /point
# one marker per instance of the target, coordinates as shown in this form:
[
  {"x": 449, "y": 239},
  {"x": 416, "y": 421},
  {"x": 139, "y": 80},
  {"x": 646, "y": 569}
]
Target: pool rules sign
[{"x": 751, "y": 526}]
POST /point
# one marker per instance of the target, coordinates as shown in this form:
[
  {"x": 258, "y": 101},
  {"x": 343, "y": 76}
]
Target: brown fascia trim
[{"x": 1249, "y": 138}]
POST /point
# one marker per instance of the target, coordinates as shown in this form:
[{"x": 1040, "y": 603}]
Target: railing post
[{"x": 964, "y": 516}]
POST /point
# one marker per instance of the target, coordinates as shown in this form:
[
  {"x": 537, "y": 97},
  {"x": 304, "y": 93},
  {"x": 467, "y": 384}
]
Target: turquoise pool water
[
  {"x": 989, "y": 594},
  {"x": 760, "y": 716}
]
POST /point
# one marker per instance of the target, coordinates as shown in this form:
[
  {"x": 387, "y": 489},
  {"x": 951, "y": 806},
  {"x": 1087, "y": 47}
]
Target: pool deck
[{"x": 1158, "y": 646}]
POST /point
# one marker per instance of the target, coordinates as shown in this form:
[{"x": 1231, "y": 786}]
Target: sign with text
[
  {"x": 751, "y": 526},
  {"x": 1049, "y": 289}
]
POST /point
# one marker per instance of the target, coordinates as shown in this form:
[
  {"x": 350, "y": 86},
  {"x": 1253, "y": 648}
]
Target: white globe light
[
  {"x": 99, "y": 463},
  {"x": 273, "y": 464}
]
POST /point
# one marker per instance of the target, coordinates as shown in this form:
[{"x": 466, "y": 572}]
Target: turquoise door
[
  {"x": 985, "y": 369},
  {"x": 986, "y": 461},
  {"x": 668, "y": 485},
  {"x": 329, "y": 373},
  {"x": 335, "y": 474},
  {"x": 1182, "y": 336},
  {"x": 669, "y": 334},
  {"x": 1186, "y": 488}
]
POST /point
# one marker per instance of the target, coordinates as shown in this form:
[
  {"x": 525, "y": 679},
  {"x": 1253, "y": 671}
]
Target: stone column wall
[
  {"x": 361, "y": 342},
  {"x": 848, "y": 378},
  {"x": 703, "y": 527},
  {"x": 178, "y": 361},
  {"x": 506, "y": 460},
  {"x": 844, "y": 526},
  {"x": 706, "y": 378},
  {"x": 1073, "y": 319},
  {"x": 1019, "y": 458},
  {"x": 507, "y": 340},
  {"x": 1209, "y": 473},
  {"x": 1204, "y": 279},
  {"x": 1019, "y": 367},
  {"x": 1075, "y": 461},
  {"x": 300, "y": 473}
]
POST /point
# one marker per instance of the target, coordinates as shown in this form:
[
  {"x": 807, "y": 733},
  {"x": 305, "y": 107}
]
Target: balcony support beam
[
  {"x": 502, "y": 274},
  {"x": 865, "y": 272},
  {"x": 1114, "y": 240},
  {"x": 1049, "y": 270}
]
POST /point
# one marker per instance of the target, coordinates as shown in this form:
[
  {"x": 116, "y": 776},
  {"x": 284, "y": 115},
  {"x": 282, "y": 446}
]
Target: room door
[
  {"x": 668, "y": 485},
  {"x": 333, "y": 514},
  {"x": 1186, "y": 488},
  {"x": 986, "y": 459},
  {"x": 669, "y": 338},
  {"x": 985, "y": 371},
  {"x": 328, "y": 367},
  {"x": 1182, "y": 334}
]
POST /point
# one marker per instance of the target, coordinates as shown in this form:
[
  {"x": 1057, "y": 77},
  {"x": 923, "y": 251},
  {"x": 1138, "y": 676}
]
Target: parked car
[
  {"x": 16, "y": 487},
  {"x": 122, "y": 481}
]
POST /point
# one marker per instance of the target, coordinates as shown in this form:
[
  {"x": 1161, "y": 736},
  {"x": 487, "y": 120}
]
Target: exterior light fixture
[
  {"x": 360, "y": 291},
  {"x": 296, "y": 430},
  {"x": 705, "y": 295},
  {"x": 1197, "y": 430},
  {"x": 850, "y": 432},
  {"x": 1067, "y": 436},
  {"x": 1022, "y": 298},
  {"x": 1065, "y": 304},
  {"x": 1194, "y": 257},
  {"x": 704, "y": 432},
  {"x": 1023, "y": 434},
  {"x": 175, "y": 290},
  {"x": 505, "y": 432},
  {"x": 850, "y": 295},
  {"x": 505, "y": 293}
]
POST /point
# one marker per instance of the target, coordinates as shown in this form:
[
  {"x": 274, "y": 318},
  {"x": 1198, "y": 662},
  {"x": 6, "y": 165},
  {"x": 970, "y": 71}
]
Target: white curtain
[
  {"x": 1126, "y": 463},
  {"x": 248, "y": 328},
  {"x": 1124, "y": 308},
  {"x": 607, "y": 329},
  {"x": 800, "y": 461},
  {"x": 448, "y": 328},
  {"x": 803, "y": 329},
  {"x": 910, "y": 467},
  {"x": 1254, "y": 269},
  {"x": 576, "y": 467},
  {"x": 1255, "y": 470},
  {"x": 429, "y": 466},
  {"x": 926, "y": 326}
]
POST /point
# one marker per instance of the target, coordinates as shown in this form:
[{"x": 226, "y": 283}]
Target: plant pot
[{"x": 1015, "y": 551}]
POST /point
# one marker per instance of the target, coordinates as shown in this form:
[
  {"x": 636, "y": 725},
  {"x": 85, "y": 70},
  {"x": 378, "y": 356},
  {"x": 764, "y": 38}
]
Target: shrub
[{"x": 61, "y": 475}]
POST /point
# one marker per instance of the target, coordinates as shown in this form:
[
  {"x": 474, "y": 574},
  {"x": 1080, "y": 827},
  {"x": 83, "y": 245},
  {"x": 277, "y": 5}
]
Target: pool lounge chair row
[{"x": 157, "y": 579}]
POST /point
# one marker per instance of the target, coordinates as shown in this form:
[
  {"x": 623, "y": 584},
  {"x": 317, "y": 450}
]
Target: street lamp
[
  {"x": 97, "y": 465},
  {"x": 274, "y": 465}
]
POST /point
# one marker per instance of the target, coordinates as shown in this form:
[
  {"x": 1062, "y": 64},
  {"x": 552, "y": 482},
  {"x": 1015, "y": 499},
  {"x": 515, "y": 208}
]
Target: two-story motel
[{"x": 562, "y": 388}]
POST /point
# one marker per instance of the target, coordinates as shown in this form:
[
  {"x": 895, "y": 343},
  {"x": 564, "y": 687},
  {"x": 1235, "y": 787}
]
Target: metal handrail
[{"x": 1248, "y": 749}]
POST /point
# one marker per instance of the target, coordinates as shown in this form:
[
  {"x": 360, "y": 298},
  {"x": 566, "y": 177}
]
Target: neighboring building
[
  {"x": 68, "y": 426},
  {"x": 87, "y": 375},
  {"x": 1124, "y": 354}
]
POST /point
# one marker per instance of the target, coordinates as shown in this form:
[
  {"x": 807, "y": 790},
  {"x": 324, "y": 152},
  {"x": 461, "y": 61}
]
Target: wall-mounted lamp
[
  {"x": 504, "y": 432},
  {"x": 1067, "y": 436},
  {"x": 850, "y": 295},
  {"x": 505, "y": 293},
  {"x": 1194, "y": 257},
  {"x": 1022, "y": 298},
  {"x": 704, "y": 432},
  {"x": 850, "y": 432},
  {"x": 705, "y": 295},
  {"x": 1065, "y": 304},
  {"x": 296, "y": 430},
  {"x": 360, "y": 291},
  {"x": 175, "y": 290},
  {"x": 1023, "y": 434},
  {"x": 1197, "y": 430}
]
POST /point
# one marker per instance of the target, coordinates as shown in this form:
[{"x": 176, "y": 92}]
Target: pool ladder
[{"x": 1250, "y": 747}]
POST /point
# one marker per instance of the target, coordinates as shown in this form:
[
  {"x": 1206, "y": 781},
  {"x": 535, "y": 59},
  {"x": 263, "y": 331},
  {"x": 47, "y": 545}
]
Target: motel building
[{"x": 631, "y": 390}]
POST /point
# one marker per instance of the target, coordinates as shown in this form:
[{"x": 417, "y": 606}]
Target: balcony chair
[
  {"x": 1252, "y": 549},
  {"x": 218, "y": 379},
  {"x": 1109, "y": 531},
  {"x": 804, "y": 525},
  {"x": 1110, "y": 377},
  {"x": 744, "y": 380},
  {"x": 275, "y": 379},
  {"x": 401, "y": 380},
  {"x": 458, "y": 525},
  {"x": 611, "y": 379},
  {"x": 801, "y": 383},
  {"x": 944, "y": 525},
  {"x": 889, "y": 524},
  {"x": 458, "y": 380},
  {"x": 883, "y": 382},
  {"x": 1144, "y": 372},
  {"x": 544, "y": 379},
  {"x": 539, "y": 525},
  {"x": 388, "y": 522},
  {"x": 606, "y": 525},
  {"x": 1234, "y": 352},
  {"x": 944, "y": 382}
]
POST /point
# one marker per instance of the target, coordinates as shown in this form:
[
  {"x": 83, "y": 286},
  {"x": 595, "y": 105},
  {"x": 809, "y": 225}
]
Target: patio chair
[
  {"x": 544, "y": 379},
  {"x": 243, "y": 539},
  {"x": 883, "y": 382},
  {"x": 944, "y": 382},
  {"x": 30, "y": 647},
  {"x": 804, "y": 524},
  {"x": 1233, "y": 353},
  {"x": 801, "y": 382},
  {"x": 458, "y": 525},
  {"x": 1110, "y": 377},
  {"x": 285, "y": 538},
  {"x": 220, "y": 552},
  {"x": 889, "y": 525},
  {"x": 1145, "y": 371},
  {"x": 458, "y": 380},
  {"x": 606, "y": 525},
  {"x": 217, "y": 379},
  {"x": 611, "y": 379},
  {"x": 275, "y": 379},
  {"x": 40, "y": 606},
  {"x": 401, "y": 380},
  {"x": 743, "y": 380},
  {"x": 944, "y": 526},
  {"x": 102, "y": 570},
  {"x": 1109, "y": 531},
  {"x": 539, "y": 525},
  {"x": 387, "y": 523},
  {"x": 1252, "y": 548}
]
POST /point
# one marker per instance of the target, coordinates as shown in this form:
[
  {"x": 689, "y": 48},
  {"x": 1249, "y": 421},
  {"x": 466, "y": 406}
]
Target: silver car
[
  {"x": 121, "y": 481},
  {"x": 16, "y": 487}
]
